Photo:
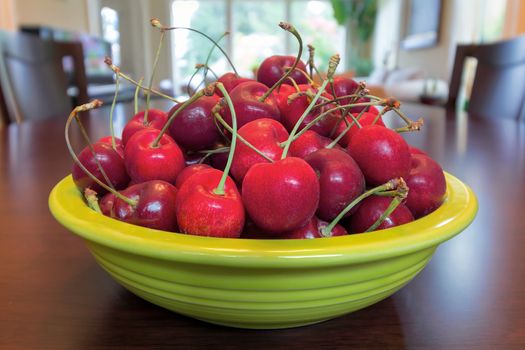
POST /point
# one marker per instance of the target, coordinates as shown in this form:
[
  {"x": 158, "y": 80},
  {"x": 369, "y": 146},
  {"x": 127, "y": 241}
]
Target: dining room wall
[{"x": 61, "y": 14}]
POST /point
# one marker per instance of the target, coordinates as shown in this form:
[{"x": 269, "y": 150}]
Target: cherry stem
[
  {"x": 388, "y": 186},
  {"x": 172, "y": 117},
  {"x": 310, "y": 81},
  {"x": 400, "y": 194},
  {"x": 92, "y": 200},
  {"x": 160, "y": 26},
  {"x": 332, "y": 65},
  {"x": 219, "y": 190},
  {"x": 242, "y": 139},
  {"x": 153, "y": 71},
  {"x": 322, "y": 115},
  {"x": 353, "y": 96},
  {"x": 348, "y": 127},
  {"x": 291, "y": 29},
  {"x": 209, "y": 153},
  {"x": 294, "y": 84},
  {"x": 116, "y": 70},
  {"x": 311, "y": 64},
  {"x": 206, "y": 63},
  {"x": 191, "y": 79},
  {"x": 74, "y": 115},
  {"x": 136, "y": 97},
  {"x": 111, "y": 127}
]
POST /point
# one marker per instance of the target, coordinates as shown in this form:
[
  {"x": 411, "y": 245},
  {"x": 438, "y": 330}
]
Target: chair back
[
  {"x": 498, "y": 88},
  {"x": 32, "y": 78}
]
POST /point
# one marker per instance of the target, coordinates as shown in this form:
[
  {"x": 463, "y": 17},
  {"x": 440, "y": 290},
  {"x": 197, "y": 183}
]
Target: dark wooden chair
[
  {"x": 33, "y": 81},
  {"x": 498, "y": 90}
]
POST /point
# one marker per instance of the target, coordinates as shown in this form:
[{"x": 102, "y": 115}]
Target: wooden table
[{"x": 472, "y": 294}]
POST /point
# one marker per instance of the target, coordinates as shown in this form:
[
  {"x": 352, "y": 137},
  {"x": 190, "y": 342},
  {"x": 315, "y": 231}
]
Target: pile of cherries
[{"x": 282, "y": 156}]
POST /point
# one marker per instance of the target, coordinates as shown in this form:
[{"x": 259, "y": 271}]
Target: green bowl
[{"x": 263, "y": 284}]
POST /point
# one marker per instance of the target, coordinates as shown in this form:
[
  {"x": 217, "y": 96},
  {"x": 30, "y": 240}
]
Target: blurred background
[{"x": 403, "y": 48}]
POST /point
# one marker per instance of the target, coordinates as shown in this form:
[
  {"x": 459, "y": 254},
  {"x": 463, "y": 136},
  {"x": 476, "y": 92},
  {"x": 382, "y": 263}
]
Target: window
[
  {"x": 254, "y": 36},
  {"x": 110, "y": 31}
]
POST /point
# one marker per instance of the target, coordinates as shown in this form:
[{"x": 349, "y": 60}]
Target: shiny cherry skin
[
  {"x": 281, "y": 196},
  {"x": 344, "y": 86},
  {"x": 111, "y": 160},
  {"x": 245, "y": 99},
  {"x": 194, "y": 127},
  {"x": 189, "y": 171},
  {"x": 106, "y": 203},
  {"x": 427, "y": 185},
  {"x": 341, "y": 181},
  {"x": 264, "y": 134},
  {"x": 202, "y": 212},
  {"x": 156, "y": 120},
  {"x": 274, "y": 67},
  {"x": 381, "y": 153},
  {"x": 292, "y": 111},
  {"x": 308, "y": 143},
  {"x": 155, "y": 205},
  {"x": 313, "y": 230},
  {"x": 371, "y": 209},
  {"x": 230, "y": 80},
  {"x": 145, "y": 162},
  {"x": 365, "y": 119}
]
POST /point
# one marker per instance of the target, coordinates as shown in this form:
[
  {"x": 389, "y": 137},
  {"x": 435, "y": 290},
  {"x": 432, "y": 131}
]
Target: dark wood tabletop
[{"x": 53, "y": 295}]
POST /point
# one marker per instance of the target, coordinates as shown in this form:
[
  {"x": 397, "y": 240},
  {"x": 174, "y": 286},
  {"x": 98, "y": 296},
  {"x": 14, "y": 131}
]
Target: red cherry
[
  {"x": 245, "y": 98},
  {"x": 381, "y": 153},
  {"x": 282, "y": 94},
  {"x": 293, "y": 110},
  {"x": 189, "y": 171},
  {"x": 344, "y": 86},
  {"x": 415, "y": 150},
  {"x": 106, "y": 203},
  {"x": 156, "y": 120},
  {"x": 313, "y": 230},
  {"x": 427, "y": 185},
  {"x": 264, "y": 134},
  {"x": 202, "y": 212},
  {"x": 371, "y": 209},
  {"x": 230, "y": 81},
  {"x": 281, "y": 196},
  {"x": 155, "y": 205},
  {"x": 112, "y": 162},
  {"x": 118, "y": 142},
  {"x": 274, "y": 67},
  {"x": 366, "y": 119},
  {"x": 194, "y": 127},
  {"x": 341, "y": 181},
  {"x": 145, "y": 162},
  {"x": 308, "y": 143}
]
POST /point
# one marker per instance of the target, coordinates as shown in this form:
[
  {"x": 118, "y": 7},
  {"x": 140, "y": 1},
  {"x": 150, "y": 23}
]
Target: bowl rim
[{"x": 453, "y": 216}]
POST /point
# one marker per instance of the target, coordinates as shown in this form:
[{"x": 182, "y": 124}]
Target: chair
[
  {"x": 498, "y": 89},
  {"x": 32, "y": 78}
]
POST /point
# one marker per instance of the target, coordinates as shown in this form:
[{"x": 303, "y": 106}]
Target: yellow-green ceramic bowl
[{"x": 263, "y": 283}]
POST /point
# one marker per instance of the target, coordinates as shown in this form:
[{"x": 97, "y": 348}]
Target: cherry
[
  {"x": 106, "y": 203},
  {"x": 266, "y": 135},
  {"x": 341, "y": 181},
  {"x": 415, "y": 150},
  {"x": 200, "y": 211},
  {"x": 381, "y": 153},
  {"x": 230, "y": 81},
  {"x": 282, "y": 94},
  {"x": 344, "y": 86},
  {"x": 427, "y": 185},
  {"x": 194, "y": 128},
  {"x": 209, "y": 203},
  {"x": 366, "y": 118},
  {"x": 281, "y": 196},
  {"x": 154, "y": 205},
  {"x": 246, "y": 101},
  {"x": 274, "y": 67},
  {"x": 110, "y": 159},
  {"x": 371, "y": 209},
  {"x": 146, "y": 161},
  {"x": 189, "y": 171},
  {"x": 156, "y": 120},
  {"x": 313, "y": 229},
  {"x": 293, "y": 110},
  {"x": 118, "y": 143},
  {"x": 308, "y": 143}
]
